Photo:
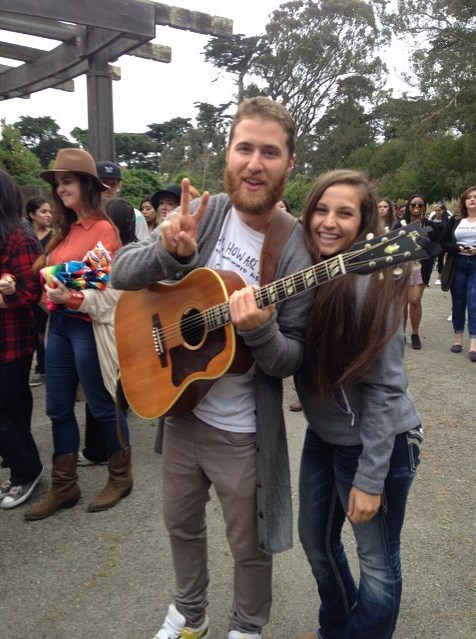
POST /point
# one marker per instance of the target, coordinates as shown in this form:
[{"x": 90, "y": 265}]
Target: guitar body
[{"x": 171, "y": 374}]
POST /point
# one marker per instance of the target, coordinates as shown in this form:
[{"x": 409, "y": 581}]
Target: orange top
[{"x": 83, "y": 236}]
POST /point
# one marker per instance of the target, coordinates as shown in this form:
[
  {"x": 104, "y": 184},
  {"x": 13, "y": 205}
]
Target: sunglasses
[{"x": 416, "y": 205}]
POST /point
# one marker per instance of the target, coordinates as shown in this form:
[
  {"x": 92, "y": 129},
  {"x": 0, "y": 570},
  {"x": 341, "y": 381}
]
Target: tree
[
  {"x": 41, "y": 135},
  {"x": 137, "y": 182},
  {"x": 137, "y": 150},
  {"x": 236, "y": 54},
  {"x": 312, "y": 49},
  {"x": 311, "y": 54},
  {"x": 18, "y": 161},
  {"x": 442, "y": 36}
]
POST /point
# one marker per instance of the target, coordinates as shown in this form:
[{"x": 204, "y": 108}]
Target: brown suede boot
[
  {"x": 119, "y": 483},
  {"x": 64, "y": 491}
]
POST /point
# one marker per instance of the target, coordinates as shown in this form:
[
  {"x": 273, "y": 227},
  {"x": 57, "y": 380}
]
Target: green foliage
[
  {"x": 296, "y": 192},
  {"x": 18, "y": 161},
  {"x": 137, "y": 150},
  {"x": 138, "y": 182},
  {"x": 441, "y": 35},
  {"x": 41, "y": 135}
]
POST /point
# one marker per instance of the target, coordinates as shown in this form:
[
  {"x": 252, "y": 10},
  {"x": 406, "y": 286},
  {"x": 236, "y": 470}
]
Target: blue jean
[
  {"x": 463, "y": 294},
  {"x": 17, "y": 445},
  {"x": 348, "y": 611},
  {"x": 71, "y": 357}
]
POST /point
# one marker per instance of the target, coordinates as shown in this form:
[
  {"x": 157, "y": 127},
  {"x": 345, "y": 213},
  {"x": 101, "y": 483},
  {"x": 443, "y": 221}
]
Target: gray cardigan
[
  {"x": 277, "y": 348},
  {"x": 370, "y": 412}
]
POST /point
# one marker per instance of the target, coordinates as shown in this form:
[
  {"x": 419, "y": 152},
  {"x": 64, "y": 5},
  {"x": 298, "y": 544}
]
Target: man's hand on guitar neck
[
  {"x": 244, "y": 311},
  {"x": 179, "y": 232}
]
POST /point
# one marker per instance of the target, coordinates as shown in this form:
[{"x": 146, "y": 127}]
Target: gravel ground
[{"x": 79, "y": 575}]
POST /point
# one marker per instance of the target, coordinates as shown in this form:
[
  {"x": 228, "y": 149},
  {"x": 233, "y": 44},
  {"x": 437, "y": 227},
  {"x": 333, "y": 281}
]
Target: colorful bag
[{"x": 91, "y": 272}]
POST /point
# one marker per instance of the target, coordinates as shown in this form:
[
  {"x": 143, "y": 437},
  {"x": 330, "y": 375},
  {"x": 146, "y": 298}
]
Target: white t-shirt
[
  {"x": 465, "y": 233},
  {"x": 230, "y": 403},
  {"x": 142, "y": 230}
]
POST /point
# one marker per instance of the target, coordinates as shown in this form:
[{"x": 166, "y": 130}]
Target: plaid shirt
[{"x": 17, "y": 255}]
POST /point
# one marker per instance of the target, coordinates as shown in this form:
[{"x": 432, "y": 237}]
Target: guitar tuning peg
[
  {"x": 386, "y": 229},
  {"x": 416, "y": 266},
  {"x": 381, "y": 276},
  {"x": 397, "y": 271},
  {"x": 369, "y": 236}
]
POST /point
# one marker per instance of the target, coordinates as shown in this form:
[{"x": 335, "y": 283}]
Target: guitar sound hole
[{"x": 192, "y": 327}]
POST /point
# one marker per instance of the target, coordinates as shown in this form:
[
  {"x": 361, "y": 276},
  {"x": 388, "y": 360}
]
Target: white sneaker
[
  {"x": 236, "y": 634},
  {"x": 450, "y": 317},
  {"x": 84, "y": 461},
  {"x": 438, "y": 282},
  {"x": 174, "y": 627}
]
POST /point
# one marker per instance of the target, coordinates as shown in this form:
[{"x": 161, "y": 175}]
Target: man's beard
[{"x": 253, "y": 203}]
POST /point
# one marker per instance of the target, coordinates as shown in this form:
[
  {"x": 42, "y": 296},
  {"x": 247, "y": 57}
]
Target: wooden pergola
[{"x": 92, "y": 34}]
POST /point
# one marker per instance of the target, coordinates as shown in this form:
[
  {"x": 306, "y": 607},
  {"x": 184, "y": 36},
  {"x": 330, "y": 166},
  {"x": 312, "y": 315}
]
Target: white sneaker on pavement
[
  {"x": 236, "y": 634},
  {"x": 174, "y": 627}
]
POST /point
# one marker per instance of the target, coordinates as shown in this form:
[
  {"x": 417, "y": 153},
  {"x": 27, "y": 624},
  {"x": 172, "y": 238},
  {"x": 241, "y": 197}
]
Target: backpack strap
[{"x": 278, "y": 232}]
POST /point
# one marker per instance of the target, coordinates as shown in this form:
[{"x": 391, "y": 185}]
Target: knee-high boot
[
  {"x": 64, "y": 491},
  {"x": 119, "y": 483}
]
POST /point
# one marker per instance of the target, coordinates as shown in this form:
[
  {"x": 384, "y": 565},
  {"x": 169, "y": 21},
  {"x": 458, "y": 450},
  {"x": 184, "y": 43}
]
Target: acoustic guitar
[{"x": 175, "y": 339}]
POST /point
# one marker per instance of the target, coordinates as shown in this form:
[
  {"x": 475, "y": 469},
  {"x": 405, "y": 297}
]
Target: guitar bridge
[{"x": 159, "y": 345}]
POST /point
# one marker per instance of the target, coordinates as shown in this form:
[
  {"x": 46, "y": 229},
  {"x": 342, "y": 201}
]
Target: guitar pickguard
[{"x": 185, "y": 361}]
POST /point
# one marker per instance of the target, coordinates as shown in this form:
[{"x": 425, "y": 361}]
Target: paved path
[{"x": 80, "y": 576}]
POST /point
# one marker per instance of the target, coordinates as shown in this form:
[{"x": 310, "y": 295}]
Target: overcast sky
[{"x": 149, "y": 92}]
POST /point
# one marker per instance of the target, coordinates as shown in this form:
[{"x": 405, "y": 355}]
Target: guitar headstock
[{"x": 405, "y": 244}]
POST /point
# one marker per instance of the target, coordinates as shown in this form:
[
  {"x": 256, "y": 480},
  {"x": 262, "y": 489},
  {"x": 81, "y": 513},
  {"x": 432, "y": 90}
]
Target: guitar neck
[
  {"x": 283, "y": 289},
  {"x": 401, "y": 245}
]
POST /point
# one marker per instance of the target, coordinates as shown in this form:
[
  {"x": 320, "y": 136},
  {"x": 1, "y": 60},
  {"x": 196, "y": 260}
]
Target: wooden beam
[
  {"x": 134, "y": 16},
  {"x": 18, "y": 52},
  {"x": 56, "y": 83},
  {"x": 37, "y": 27},
  {"x": 156, "y": 52},
  {"x": 195, "y": 21}
]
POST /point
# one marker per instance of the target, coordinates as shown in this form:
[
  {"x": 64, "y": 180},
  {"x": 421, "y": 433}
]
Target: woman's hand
[
  {"x": 362, "y": 506},
  {"x": 59, "y": 294},
  {"x": 7, "y": 284},
  {"x": 179, "y": 232}
]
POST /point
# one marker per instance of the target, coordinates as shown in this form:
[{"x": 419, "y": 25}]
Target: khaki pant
[{"x": 196, "y": 455}]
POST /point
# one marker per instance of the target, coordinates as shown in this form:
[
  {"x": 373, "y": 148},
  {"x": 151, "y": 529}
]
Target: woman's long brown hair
[{"x": 343, "y": 340}]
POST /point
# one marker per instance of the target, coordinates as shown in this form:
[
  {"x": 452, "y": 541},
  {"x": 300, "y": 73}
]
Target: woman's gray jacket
[
  {"x": 369, "y": 412},
  {"x": 277, "y": 348}
]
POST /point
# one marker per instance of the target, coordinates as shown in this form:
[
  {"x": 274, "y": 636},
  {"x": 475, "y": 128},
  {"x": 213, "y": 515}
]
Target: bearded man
[{"x": 235, "y": 437}]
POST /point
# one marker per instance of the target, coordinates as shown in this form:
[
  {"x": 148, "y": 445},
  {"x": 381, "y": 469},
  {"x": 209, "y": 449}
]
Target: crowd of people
[{"x": 63, "y": 265}]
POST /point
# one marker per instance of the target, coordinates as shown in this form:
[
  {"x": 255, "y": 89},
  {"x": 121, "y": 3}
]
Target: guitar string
[{"x": 198, "y": 321}]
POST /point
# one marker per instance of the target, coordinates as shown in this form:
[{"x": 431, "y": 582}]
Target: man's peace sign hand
[{"x": 179, "y": 232}]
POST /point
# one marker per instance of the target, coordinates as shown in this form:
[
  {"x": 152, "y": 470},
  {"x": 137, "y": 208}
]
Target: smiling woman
[
  {"x": 73, "y": 352},
  {"x": 363, "y": 438}
]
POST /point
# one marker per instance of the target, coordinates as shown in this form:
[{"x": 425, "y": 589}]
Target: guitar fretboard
[{"x": 282, "y": 289}]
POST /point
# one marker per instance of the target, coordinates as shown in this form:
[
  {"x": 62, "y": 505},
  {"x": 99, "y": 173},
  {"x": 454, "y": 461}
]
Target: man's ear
[{"x": 291, "y": 163}]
